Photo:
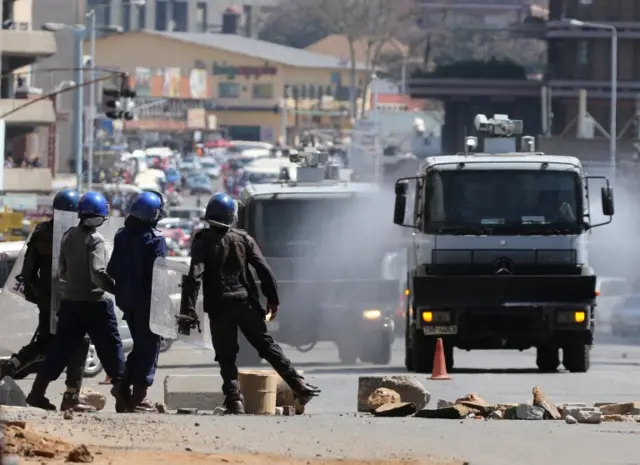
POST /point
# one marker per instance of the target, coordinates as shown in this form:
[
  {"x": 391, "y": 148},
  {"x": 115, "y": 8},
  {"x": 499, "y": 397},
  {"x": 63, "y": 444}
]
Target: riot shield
[
  {"x": 166, "y": 294},
  {"x": 62, "y": 222},
  {"x": 19, "y": 317}
]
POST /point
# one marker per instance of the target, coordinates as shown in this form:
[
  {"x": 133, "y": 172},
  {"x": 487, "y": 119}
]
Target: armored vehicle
[
  {"x": 323, "y": 236},
  {"x": 498, "y": 258}
]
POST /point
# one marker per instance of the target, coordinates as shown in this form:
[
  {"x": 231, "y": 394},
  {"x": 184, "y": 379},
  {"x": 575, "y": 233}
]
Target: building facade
[
  {"x": 580, "y": 58},
  {"x": 20, "y": 47}
]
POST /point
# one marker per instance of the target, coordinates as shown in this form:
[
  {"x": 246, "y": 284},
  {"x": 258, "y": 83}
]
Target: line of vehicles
[{"x": 494, "y": 254}]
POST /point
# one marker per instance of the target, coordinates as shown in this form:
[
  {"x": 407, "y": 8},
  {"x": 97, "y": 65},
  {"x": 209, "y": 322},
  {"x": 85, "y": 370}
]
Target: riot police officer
[
  {"x": 36, "y": 282},
  {"x": 136, "y": 247},
  {"x": 84, "y": 308},
  {"x": 220, "y": 256}
]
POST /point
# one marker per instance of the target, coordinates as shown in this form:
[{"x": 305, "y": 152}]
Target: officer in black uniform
[
  {"x": 35, "y": 278},
  {"x": 220, "y": 256}
]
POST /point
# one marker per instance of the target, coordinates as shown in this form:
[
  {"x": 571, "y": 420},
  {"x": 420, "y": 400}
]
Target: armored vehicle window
[{"x": 495, "y": 198}]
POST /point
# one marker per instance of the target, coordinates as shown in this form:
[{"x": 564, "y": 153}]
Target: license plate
[
  {"x": 273, "y": 325},
  {"x": 431, "y": 330}
]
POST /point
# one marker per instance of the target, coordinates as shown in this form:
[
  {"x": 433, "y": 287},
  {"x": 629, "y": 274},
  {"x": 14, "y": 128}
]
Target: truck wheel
[
  {"x": 547, "y": 359},
  {"x": 382, "y": 355},
  {"x": 422, "y": 351},
  {"x": 348, "y": 352},
  {"x": 408, "y": 360},
  {"x": 577, "y": 358}
]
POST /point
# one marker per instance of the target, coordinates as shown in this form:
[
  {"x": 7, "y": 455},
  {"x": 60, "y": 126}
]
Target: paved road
[{"x": 332, "y": 427}]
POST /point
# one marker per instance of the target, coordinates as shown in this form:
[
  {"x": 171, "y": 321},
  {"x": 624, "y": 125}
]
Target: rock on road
[{"x": 333, "y": 429}]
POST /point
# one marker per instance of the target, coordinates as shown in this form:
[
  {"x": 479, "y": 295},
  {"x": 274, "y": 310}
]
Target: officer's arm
[
  {"x": 191, "y": 282},
  {"x": 98, "y": 265},
  {"x": 268, "y": 282},
  {"x": 160, "y": 247}
]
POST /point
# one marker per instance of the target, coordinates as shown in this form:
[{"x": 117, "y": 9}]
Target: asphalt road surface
[{"x": 332, "y": 427}]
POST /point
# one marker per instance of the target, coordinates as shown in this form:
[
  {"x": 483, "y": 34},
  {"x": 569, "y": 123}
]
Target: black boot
[
  {"x": 7, "y": 368},
  {"x": 304, "y": 391},
  {"x": 234, "y": 405},
  {"x": 139, "y": 400},
  {"x": 122, "y": 393},
  {"x": 37, "y": 397},
  {"x": 71, "y": 401}
]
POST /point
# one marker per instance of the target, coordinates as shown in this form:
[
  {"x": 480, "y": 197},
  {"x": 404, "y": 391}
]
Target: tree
[{"x": 367, "y": 25}]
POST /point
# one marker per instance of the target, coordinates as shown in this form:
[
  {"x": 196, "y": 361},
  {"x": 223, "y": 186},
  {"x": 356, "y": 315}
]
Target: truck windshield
[{"x": 489, "y": 201}]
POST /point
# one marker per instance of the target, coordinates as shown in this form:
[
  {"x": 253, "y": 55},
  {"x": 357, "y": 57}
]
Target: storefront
[{"x": 213, "y": 83}]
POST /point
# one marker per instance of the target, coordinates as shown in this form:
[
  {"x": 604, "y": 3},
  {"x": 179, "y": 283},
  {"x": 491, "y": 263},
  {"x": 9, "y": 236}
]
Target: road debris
[
  {"x": 629, "y": 408},
  {"x": 93, "y": 398},
  {"x": 409, "y": 388},
  {"x": 541, "y": 400},
  {"x": 382, "y": 396},
  {"x": 21, "y": 440},
  {"x": 395, "y": 409},
  {"x": 80, "y": 454}
]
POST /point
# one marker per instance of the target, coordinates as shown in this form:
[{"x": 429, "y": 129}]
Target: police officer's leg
[
  {"x": 254, "y": 328},
  {"x": 25, "y": 361},
  {"x": 224, "y": 337},
  {"x": 103, "y": 331},
  {"x": 143, "y": 367},
  {"x": 75, "y": 373},
  {"x": 70, "y": 332}
]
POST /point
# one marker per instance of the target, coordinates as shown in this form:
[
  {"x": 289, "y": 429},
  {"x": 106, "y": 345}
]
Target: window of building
[
  {"x": 201, "y": 17},
  {"x": 228, "y": 90},
  {"x": 161, "y": 16},
  {"x": 102, "y": 11},
  {"x": 142, "y": 17},
  {"x": 262, "y": 91},
  {"x": 583, "y": 52},
  {"x": 286, "y": 91},
  {"x": 312, "y": 92},
  {"x": 126, "y": 17},
  {"x": 303, "y": 92},
  {"x": 180, "y": 16}
]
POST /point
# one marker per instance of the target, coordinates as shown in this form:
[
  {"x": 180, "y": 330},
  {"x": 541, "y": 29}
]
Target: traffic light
[
  {"x": 128, "y": 94},
  {"x": 111, "y": 103}
]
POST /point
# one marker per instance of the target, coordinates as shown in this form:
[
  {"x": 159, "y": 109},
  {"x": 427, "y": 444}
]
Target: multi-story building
[
  {"x": 580, "y": 58},
  {"x": 20, "y": 46},
  {"x": 131, "y": 15}
]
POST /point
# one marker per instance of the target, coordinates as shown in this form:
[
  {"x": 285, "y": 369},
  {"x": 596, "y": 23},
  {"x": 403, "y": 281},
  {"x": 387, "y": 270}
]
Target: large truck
[
  {"x": 323, "y": 237},
  {"x": 499, "y": 256}
]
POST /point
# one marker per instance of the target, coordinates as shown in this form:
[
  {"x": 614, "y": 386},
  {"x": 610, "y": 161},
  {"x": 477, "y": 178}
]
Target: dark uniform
[
  {"x": 36, "y": 280},
  {"x": 220, "y": 259},
  {"x": 136, "y": 248}
]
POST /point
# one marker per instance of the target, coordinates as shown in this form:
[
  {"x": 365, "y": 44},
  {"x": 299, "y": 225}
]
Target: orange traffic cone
[
  {"x": 107, "y": 380},
  {"x": 439, "y": 363}
]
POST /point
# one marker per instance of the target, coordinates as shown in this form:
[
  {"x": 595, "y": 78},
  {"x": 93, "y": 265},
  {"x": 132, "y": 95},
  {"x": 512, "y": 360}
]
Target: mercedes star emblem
[{"x": 503, "y": 265}]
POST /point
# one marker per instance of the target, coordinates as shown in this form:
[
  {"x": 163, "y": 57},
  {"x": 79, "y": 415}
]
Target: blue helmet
[
  {"x": 148, "y": 206},
  {"x": 66, "y": 200},
  {"x": 93, "y": 204},
  {"x": 221, "y": 209}
]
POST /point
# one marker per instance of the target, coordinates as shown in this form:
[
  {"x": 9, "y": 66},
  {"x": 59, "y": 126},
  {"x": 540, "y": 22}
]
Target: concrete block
[
  {"x": 407, "y": 386},
  {"x": 529, "y": 412},
  {"x": 629, "y": 408},
  {"x": 201, "y": 392},
  {"x": 11, "y": 394}
]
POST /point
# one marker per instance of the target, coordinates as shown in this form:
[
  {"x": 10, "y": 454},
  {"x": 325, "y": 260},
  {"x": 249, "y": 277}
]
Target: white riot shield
[
  {"x": 18, "y": 316},
  {"x": 62, "y": 222},
  {"x": 166, "y": 294}
]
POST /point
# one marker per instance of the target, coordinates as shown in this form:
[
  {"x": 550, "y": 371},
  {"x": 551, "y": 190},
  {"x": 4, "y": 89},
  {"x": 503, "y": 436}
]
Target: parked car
[
  {"x": 210, "y": 167},
  {"x": 199, "y": 183}
]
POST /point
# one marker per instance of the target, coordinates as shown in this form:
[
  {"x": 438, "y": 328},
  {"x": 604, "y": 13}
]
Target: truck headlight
[
  {"x": 574, "y": 316},
  {"x": 430, "y": 316},
  {"x": 372, "y": 314}
]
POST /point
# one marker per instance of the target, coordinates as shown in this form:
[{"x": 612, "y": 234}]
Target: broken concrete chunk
[
  {"x": 511, "y": 413},
  {"x": 382, "y": 396},
  {"x": 529, "y": 412},
  {"x": 472, "y": 398},
  {"x": 541, "y": 400},
  {"x": 455, "y": 412},
  {"x": 630, "y": 408},
  {"x": 395, "y": 409},
  {"x": 573, "y": 411},
  {"x": 93, "y": 398},
  {"x": 407, "y": 386},
  {"x": 588, "y": 417},
  {"x": 619, "y": 418},
  {"x": 11, "y": 394},
  {"x": 444, "y": 403},
  {"x": 496, "y": 415},
  {"x": 569, "y": 420}
]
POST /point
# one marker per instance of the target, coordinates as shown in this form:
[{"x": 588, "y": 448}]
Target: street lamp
[
  {"x": 613, "y": 128},
  {"x": 92, "y": 89}
]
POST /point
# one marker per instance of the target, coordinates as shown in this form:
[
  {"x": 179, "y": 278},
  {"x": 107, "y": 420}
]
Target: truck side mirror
[
  {"x": 606, "y": 194},
  {"x": 400, "y": 209}
]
